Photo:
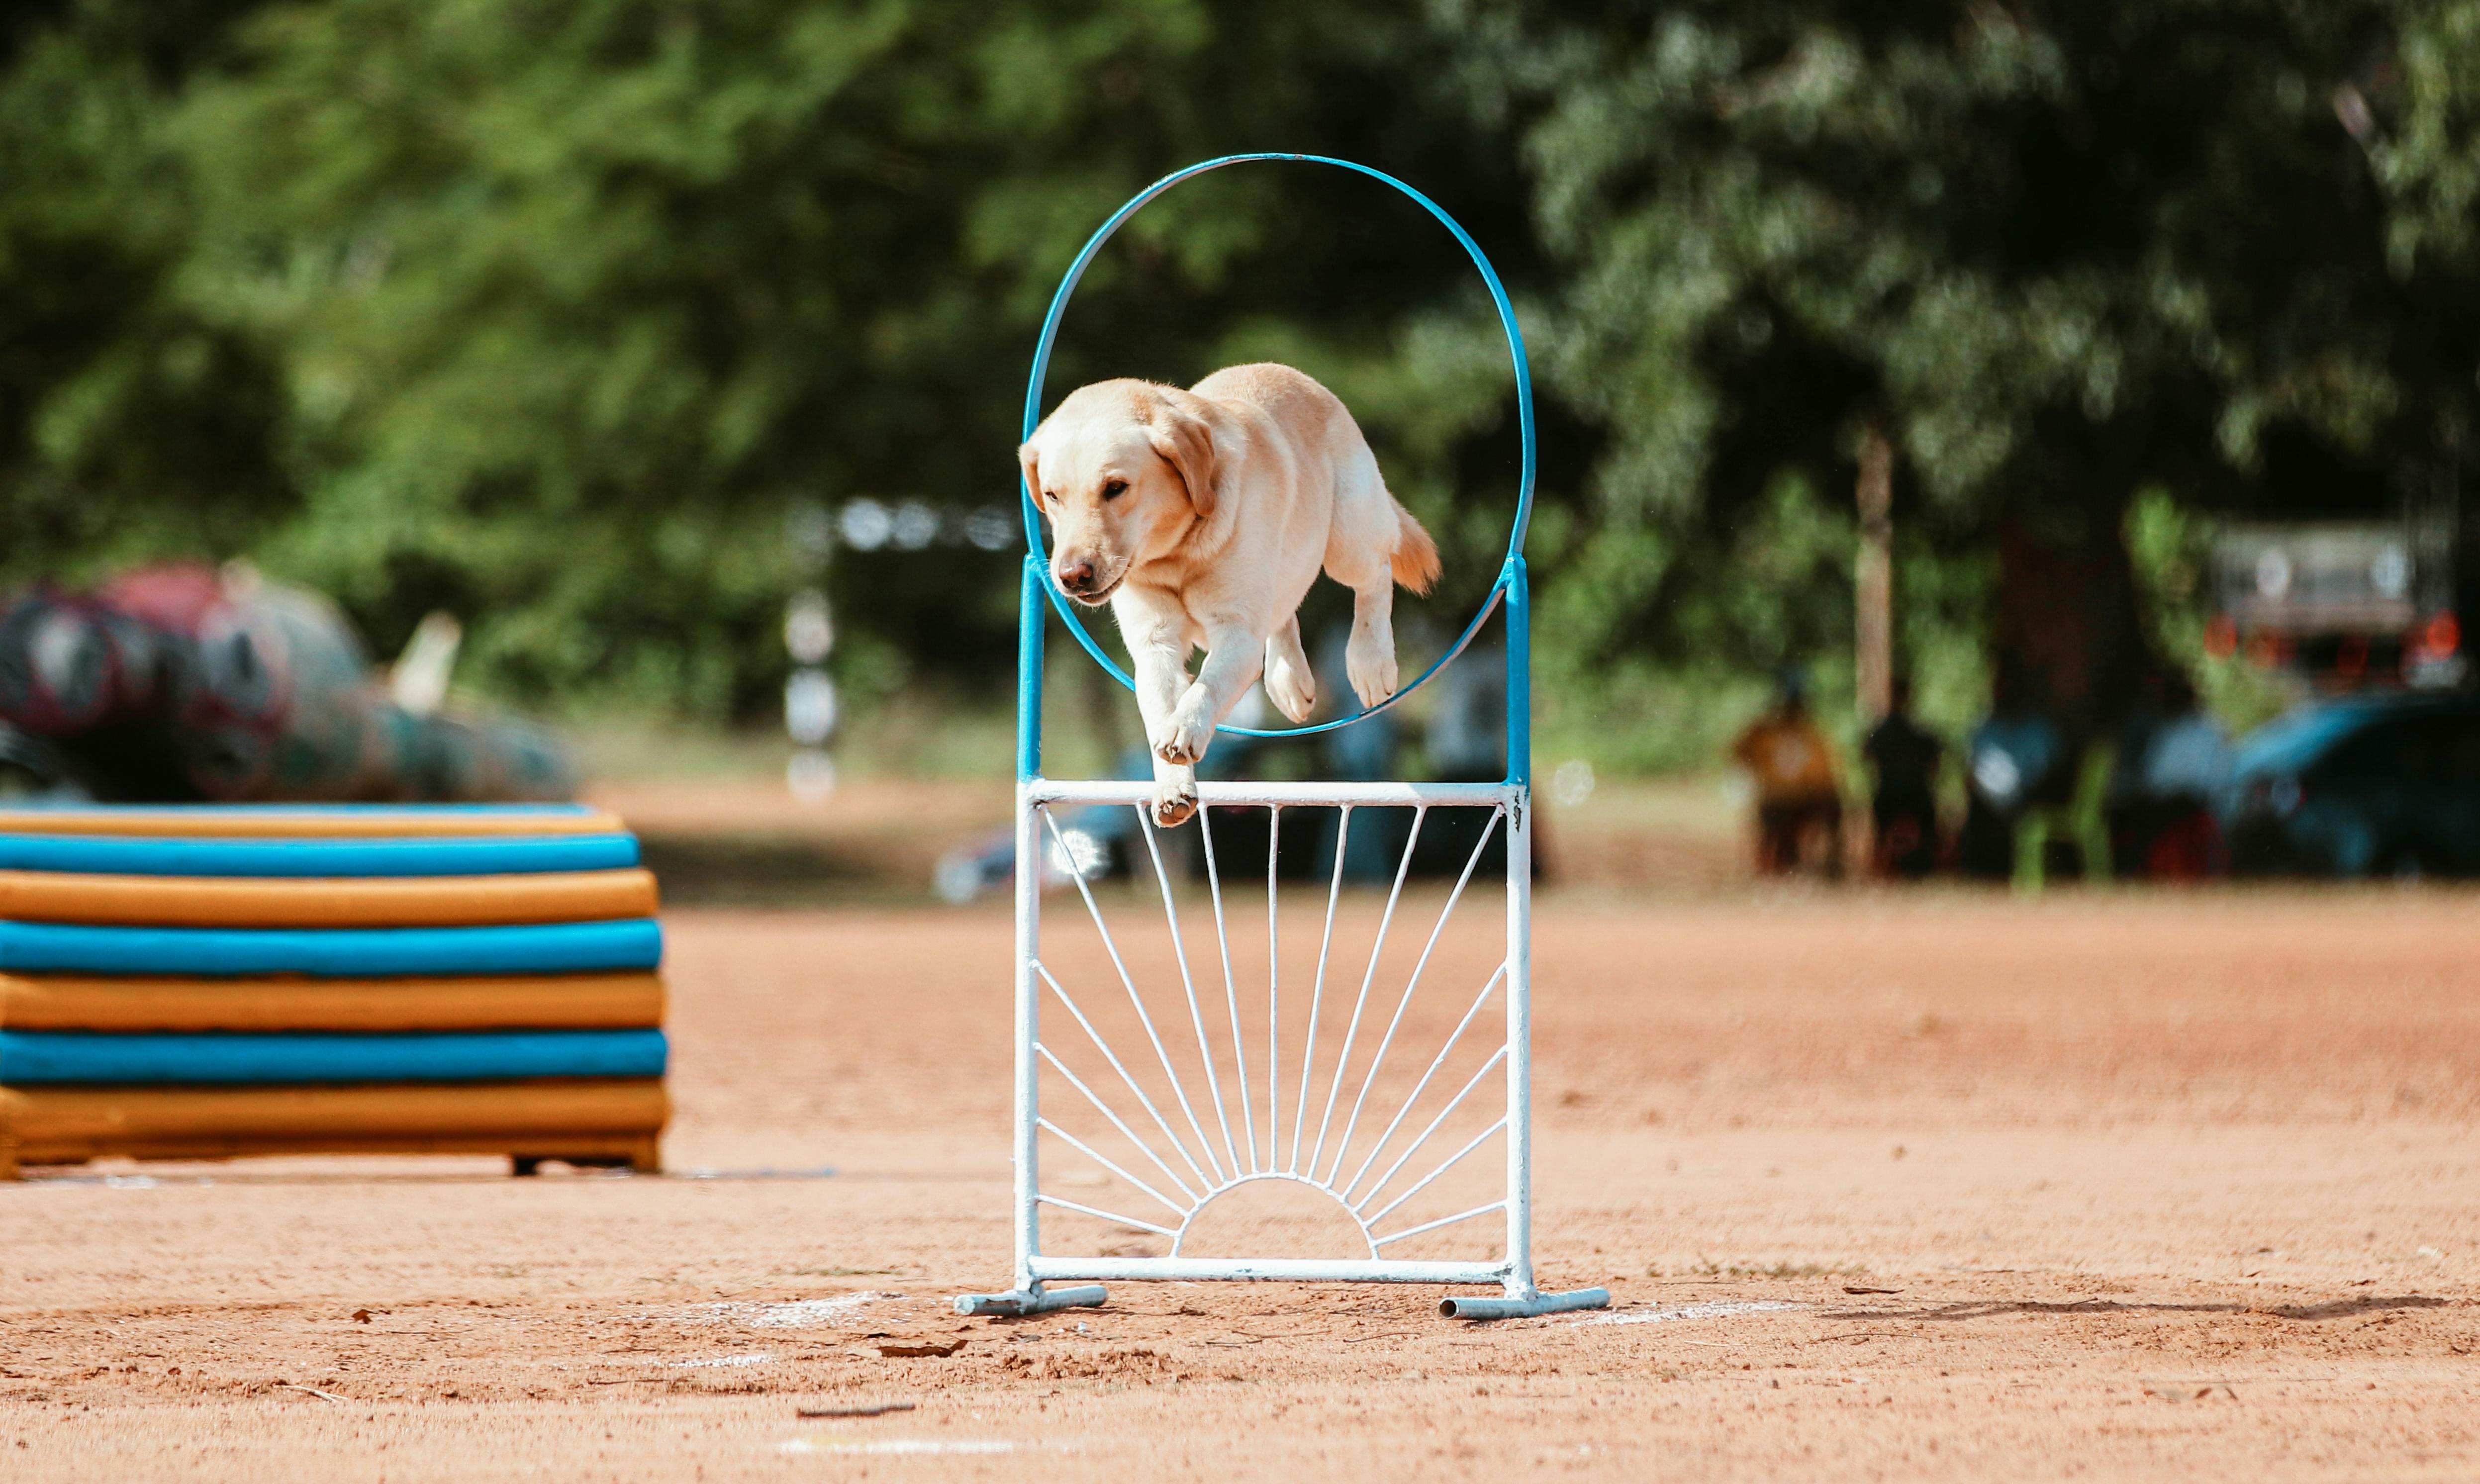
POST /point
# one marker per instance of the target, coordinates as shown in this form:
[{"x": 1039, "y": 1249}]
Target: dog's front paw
[
  {"x": 1185, "y": 736},
  {"x": 1371, "y": 665},
  {"x": 1292, "y": 690},
  {"x": 1175, "y": 800}
]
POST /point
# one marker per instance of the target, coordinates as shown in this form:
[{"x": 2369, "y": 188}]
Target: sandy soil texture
[{"x": 1885, "y": 1186}]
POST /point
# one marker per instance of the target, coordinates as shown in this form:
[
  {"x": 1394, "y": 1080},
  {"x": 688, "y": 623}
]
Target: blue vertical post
[
  {"x": 1030, "y": 609},
  {"x": 1519, "y": 671},
  {"x": 1029, "y": 922}
]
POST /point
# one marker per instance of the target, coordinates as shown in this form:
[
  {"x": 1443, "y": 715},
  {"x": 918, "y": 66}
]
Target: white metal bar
[
  {"x": 1523, "y": 1306},
  {"x": 1029, "y": 1031},
  {"x": 1432, "y": 1226},
  {"x": 1450, "y": 1163},
  {"x": 1402, "y": 1159},
  {"x": 1280, "y": 1269},
  {"x": 1411, "y": 983},
  {"x": 1361, "y": 1001},
  {"x": 1024, "y": 1302},
  {"x": 1087, "y": 1150},
  {"x": 1105, "y": 1109},
  {"x": 1230, "y": 990},
  {"x": 1266, "y": 792},
  {"x": 1423, "y": 1085},
  {"x": 1519, "y": 1030},
  {"x": 1273, "y": 986},
  {"x": 1108, "y": 1054},
  {"x": 1129, "y": 983},
  {"x": 1317, "y": 991},
  {"x": 1512, "y": 1273},
  {"x": 1188, "y": 983},
  {"x": 1107, "y": 1216}
]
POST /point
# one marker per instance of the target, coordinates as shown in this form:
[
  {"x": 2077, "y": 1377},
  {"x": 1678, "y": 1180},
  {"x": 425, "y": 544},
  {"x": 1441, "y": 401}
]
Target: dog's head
[{"x": 1123, "y": 468}]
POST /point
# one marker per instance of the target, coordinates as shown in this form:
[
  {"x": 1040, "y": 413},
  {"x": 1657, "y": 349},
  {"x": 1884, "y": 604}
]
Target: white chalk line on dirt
[
  {"x": 796, "y": 1313},
  {"x": 759, "y": 1359},
  {"x": 1718, "y": 1309}
]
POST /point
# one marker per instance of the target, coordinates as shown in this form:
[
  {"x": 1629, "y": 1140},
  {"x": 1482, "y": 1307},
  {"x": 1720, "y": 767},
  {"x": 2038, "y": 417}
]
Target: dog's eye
[
  {"x": 1113, "y": 489},
  {"x": 1050, "y": 497}
]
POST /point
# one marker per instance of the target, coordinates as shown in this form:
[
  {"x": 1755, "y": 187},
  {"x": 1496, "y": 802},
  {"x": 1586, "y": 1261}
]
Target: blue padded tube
[
  {"x": 329, "y": 952},
  {"x": 122, "y": 854},
  {"x": 55, "y": 1058}
]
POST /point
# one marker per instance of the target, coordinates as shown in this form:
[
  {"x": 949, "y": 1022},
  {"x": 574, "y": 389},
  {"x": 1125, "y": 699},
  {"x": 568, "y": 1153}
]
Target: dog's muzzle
[{"x": 1083, "y": 581}]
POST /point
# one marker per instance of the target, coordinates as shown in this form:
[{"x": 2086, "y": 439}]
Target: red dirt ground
[{"x": 1885, "y": 1186}]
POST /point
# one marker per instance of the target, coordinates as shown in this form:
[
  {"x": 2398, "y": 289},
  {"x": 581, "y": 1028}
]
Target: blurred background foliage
[{"x": 550, "y": 315}]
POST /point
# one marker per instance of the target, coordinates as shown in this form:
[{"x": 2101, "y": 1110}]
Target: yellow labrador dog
[{"x": 1203, "y": 516}]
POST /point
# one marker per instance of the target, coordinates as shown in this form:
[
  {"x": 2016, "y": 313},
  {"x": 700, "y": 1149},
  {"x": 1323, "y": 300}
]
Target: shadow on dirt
[
  {"x": 728, "y": 870},
  {"x": 2339, "y": 1309},
  {"x": 2344, "y": 1308}
]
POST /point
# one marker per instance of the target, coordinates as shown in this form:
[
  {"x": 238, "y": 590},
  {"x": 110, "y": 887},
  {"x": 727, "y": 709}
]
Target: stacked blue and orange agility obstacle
[{"x": 209, "y": 982}]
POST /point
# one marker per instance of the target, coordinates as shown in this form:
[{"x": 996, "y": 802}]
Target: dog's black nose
[{"x": 1076, "y": 576}]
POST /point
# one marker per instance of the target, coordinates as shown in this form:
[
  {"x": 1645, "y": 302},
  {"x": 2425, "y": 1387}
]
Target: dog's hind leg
[
  {"x": 1359, "y": 555},
  {"x": 1290, "y": 684},
  {"x": 1369, "y": 658}
]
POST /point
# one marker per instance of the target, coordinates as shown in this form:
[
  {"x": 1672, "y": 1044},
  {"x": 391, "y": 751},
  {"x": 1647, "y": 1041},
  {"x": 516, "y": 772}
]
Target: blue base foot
[
  {"x": 1523, "y": 1308},
  {"x": 1016, "y": 1303}
]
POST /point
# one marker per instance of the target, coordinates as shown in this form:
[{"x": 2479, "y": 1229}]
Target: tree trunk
[
  {"x": 2066, "y": 629},
  {"x": 1873, "y": 577}
]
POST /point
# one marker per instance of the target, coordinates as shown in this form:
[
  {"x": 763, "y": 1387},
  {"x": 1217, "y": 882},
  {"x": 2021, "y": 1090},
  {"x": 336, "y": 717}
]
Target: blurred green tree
[
  {"x": 2056, "y": 254},
  {"x": 130, "y": 421},
  {"x": 550, "y": 315},
  {"x": 575, "y": 302}
]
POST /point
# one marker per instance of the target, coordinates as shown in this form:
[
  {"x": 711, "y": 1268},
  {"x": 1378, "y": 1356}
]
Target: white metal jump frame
[{"x": 1211, "y": 1170}]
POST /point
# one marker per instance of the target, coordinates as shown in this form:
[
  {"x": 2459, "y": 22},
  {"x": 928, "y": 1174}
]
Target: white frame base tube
[
  {"x": 1524, "y": 1307},
  {"x": 1016, "y": 1303}
]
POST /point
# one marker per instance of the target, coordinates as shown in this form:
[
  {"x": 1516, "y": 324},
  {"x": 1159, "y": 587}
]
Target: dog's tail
[{"x": 1417, "y": 556}]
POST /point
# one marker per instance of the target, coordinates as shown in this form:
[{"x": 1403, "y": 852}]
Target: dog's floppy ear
[
  {"x": 1027, "y": 461},
  {"x": 1187, "y": 444}
]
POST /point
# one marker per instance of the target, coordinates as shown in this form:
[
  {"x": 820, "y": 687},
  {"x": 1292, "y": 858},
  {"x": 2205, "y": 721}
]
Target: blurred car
[
  {"x": 181, "y": 682},
  {"x": 2363, "y": 786},
  {"x": 30, "y": 769}
]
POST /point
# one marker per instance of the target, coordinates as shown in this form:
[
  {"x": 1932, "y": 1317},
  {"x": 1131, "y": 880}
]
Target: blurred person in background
[
  {"x": 1466, "y": 734},
  {"x": 2173, "y": 760},
  {"x": 2015, "y": 758},
  {"x": 1465, "y": 738},
  {"x": 1904, "y": 757},
  {"x": 1364, "y": 751},
  {"x": 1798, "y": 788}
]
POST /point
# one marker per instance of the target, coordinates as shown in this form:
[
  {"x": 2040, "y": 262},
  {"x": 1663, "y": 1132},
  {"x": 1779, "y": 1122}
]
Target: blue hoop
[{"x": 1508, "y": 571}]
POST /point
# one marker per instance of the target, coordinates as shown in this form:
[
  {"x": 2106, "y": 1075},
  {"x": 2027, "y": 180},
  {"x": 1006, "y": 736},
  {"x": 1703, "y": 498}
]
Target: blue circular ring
[{"x": 1523, "y": 412}]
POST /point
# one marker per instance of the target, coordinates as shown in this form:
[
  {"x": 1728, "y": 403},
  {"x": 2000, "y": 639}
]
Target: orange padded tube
[
  {"x": 326, "y": 902},
  {"x": 529, "y": 1002},
  {"x": 617, "y": 1119}
]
